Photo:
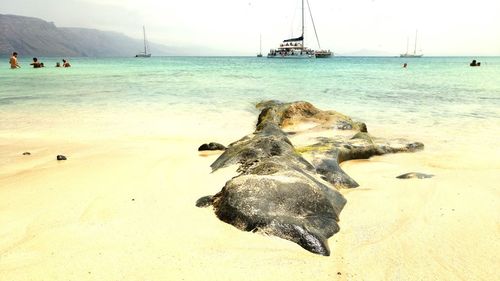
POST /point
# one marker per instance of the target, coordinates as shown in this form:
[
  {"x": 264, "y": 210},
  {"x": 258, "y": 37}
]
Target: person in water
[
  {"x": 66, "y": 63},
  {"x": 58, "y": 64},
  {"x": 13, "y": 61},
  {"x": 36, "y": 63},
  {"x": 474, "y": 63},
  {"x": 405, "y": 65}
]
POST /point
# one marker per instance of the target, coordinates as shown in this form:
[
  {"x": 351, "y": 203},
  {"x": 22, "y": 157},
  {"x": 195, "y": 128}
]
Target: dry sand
[{"x": 122, "y": 208}]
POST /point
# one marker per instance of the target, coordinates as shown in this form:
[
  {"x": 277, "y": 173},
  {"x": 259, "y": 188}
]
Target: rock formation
[{"x": 278, "y": 192}]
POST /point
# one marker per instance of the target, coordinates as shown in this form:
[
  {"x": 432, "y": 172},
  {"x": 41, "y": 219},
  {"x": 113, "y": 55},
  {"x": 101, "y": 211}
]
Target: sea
[{"x": 433, "y": 94}]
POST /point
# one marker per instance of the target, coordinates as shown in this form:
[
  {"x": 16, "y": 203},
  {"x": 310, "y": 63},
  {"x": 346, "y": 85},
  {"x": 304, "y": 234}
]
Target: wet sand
[{"x": 122, "y": 208}]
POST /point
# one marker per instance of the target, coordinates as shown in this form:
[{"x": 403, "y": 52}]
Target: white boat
[
  {"x": 146, "y": 53},
  {"x": 293, "y": 48},
  {"x": 409, "y": 55}
]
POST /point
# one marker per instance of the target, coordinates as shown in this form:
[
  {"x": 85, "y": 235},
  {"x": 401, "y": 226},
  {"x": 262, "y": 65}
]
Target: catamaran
[
  {"x": 293, "y": 48},
  {"x": 144, "y": 54},
  {"x": 407, "y": 54}
]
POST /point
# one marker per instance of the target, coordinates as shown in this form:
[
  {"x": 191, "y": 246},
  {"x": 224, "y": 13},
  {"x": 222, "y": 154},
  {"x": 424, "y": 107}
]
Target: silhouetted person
[
  {"x": 473, "y": 63},
  {"x": 58, "y": 64},
  {"x": 405, "y": 65},
  {"x": 478, "y": 63}
]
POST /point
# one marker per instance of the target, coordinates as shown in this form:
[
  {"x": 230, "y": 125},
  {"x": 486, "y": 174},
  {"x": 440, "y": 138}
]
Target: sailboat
[
  {"x": 293, "y": 48},
  {"x": 407, "y": 54},
  {"x": 259, "y": 55},
  {"x": 144, "y": 54}
]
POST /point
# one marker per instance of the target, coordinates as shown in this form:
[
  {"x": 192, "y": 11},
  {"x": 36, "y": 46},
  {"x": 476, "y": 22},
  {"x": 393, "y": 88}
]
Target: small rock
[
  {"x": 363, "y": 136},
  {"x": 204, "y": 202},
  {"x": 211, "y": 146},
  {"x": 414, "y": 175},
  {"x": 343, "y": 125},
  {"x": 26, "y": 153},
  {"x": 362, "y": 127},
  {"x": 61, "y": 157},
  {"x": 338, "y": 273}
]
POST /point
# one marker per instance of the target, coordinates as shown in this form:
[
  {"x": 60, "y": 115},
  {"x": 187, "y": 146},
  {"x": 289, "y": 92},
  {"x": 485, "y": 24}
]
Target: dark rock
[
  {"x": 363, "y": 136},
  {"x": 277, "y": 191},
  {"x": 330, "y": 171},
  {"x": 26, "y": 153},
  {"x": 204, "y": 201},
  {"x": 290, "y": 204},
  {"x": 414, "y": 175},
  {"x": 328, "y": 153},
  {"x": 61, "y": 157},
  {"x": 211, "y": 146},
  {"x": 362, "y": 127}
]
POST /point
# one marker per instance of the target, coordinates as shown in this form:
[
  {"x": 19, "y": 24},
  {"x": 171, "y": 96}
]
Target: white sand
[{"x": 122, "y": 208}]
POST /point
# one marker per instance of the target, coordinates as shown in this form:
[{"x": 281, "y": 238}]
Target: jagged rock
[
  {"x": 211, "y": 146},
  {"x": 277, "y": 191},
  {"x": 61, "y": 157},
  {"x": 414, "y": 175}
]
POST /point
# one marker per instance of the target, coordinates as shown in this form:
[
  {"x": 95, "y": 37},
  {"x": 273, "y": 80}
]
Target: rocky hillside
[{"x": 35, "y": 37}]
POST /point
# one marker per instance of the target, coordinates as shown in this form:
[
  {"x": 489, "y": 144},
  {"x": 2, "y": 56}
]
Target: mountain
[{"x": 35, "y": 37}]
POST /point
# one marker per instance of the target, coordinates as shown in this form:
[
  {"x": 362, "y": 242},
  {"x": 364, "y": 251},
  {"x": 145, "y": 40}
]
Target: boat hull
[
  {"x": 290, "y": 56},
  {"x": 323, "y": 56},
  {"x": 410, "y": 56},
  {"x": 143, "y": 56}
]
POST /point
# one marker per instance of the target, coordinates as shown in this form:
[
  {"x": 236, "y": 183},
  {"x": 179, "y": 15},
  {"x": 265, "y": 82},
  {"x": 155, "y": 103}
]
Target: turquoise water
[{"x": 431, "y": 91}]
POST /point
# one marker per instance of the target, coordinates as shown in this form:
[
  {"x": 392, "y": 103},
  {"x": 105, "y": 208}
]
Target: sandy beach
[{"x": 122, "y": 208}]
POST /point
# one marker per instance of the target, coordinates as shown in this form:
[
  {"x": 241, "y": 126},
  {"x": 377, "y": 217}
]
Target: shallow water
[
  {"x": 130, "y": 129},
  {"x": 433, "y": 91}
]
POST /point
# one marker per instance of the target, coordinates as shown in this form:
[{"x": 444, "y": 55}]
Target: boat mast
[
  {"x": 302, "y": 24},
  {"x": 407, "y": 44},
  {"x": 415, "y": 50},
  {"x": 260, "y": 43},
  {"x": 144, "y": 35},
  {"x": 314, "y": 26}
]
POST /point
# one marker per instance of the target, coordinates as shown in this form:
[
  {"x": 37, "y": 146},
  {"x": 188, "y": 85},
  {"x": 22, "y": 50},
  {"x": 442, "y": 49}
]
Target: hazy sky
[{"x": 446, "y": 27}]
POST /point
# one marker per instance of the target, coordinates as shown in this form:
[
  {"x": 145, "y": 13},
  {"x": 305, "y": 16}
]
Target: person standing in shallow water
[
  {"x": 36, "y": 63},
  {"x": 13, "y": 61},
  {"x": 66, "y": 63}
]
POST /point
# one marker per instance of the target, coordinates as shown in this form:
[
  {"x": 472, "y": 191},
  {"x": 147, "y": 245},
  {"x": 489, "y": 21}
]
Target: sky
[{"x": 233, "y": 27}]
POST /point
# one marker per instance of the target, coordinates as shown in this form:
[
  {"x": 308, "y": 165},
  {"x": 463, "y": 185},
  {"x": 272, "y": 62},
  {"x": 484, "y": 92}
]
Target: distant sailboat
[
  {"x": 407, "y": 54},
  {"x": 259, "y": 55},
  {"x": 144, "y": 54}
]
